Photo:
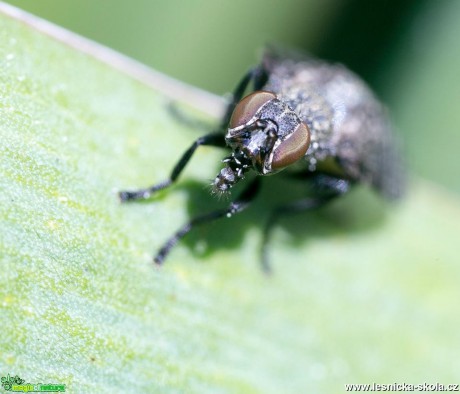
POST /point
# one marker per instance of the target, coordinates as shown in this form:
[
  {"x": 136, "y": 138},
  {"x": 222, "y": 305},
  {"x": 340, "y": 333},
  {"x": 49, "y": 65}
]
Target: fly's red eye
[
  {"x": 293, "y": 148},
  {"x": 248, "y": 107}
]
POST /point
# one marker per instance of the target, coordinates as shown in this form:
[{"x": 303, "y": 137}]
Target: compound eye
[
  {"x": 248, "y": 107},
  {"x": 292, "y": 148}
]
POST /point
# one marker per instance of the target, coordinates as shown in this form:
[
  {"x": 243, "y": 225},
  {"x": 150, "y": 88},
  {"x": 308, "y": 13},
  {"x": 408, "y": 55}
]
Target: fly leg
[
  {"x": 237, "y": 206},
  {"x": 326, "y": 188},
  {"x": 213, "y": 139},
  {"x": 255, "y": 74},
  {"x": 216, "y": 139}
]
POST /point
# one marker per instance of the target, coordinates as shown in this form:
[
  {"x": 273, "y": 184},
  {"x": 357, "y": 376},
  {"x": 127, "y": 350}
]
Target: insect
[{"x": 302, "y": 118}]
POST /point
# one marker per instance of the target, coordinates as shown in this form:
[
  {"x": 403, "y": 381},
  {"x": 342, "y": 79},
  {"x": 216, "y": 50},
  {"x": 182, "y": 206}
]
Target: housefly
[{"x": 297, "y": 117}]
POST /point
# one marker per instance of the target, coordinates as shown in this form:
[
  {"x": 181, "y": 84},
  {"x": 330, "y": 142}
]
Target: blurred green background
[{"x": 407, "y": 50}]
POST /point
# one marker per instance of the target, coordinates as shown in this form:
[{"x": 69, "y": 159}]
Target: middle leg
[{"x": 326, "y": 189}]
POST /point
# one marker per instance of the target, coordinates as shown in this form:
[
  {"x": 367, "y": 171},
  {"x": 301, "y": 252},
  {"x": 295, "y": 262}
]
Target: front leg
[
  {"x": 216, "y": 139},
  {"x": 213, "y": 139},
  {"x": 237, "y": 206}
]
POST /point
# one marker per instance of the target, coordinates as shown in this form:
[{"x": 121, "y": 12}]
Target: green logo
[{"x": 16, "y": 384}]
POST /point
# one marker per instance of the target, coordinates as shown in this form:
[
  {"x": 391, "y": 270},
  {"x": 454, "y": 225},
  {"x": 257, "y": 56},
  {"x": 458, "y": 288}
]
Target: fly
[{"x": 319, "y": 116}]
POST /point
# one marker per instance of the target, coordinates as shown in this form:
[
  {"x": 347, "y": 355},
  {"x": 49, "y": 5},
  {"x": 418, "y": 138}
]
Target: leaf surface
[{"x": 362, "y": 292}]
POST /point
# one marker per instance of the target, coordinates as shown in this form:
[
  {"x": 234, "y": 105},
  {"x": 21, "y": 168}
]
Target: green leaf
[{"x": 362, "y": 292}]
